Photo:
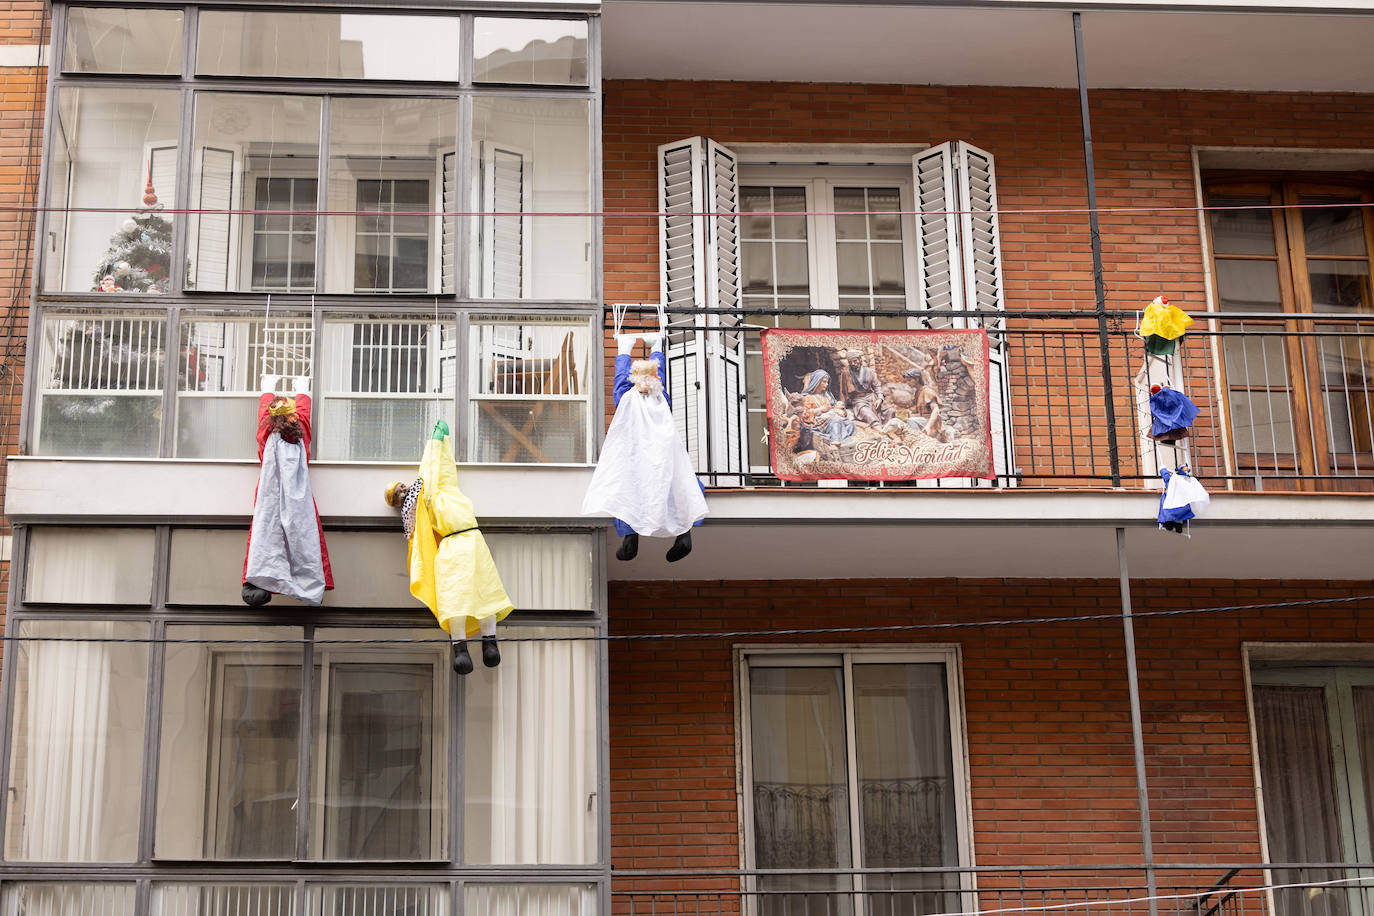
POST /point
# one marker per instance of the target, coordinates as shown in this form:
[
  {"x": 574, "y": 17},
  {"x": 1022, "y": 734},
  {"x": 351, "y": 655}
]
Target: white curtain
[
  {"x": 69, "y": 900},
  {"x": 78, "y": 747},
  {"x": 1300, "y": 814},
  {"x": 90, "y": 565},
  {"x": 537, "y": 900},
  {"x": 531, "y": 753},
  {"x": 545, "y": 572}
]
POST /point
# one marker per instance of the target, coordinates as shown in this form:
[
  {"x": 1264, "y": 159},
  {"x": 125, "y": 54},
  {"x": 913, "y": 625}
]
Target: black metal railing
[
  {"x": 1178, "y": 890},
  {"x": 1285, "y": 401}
]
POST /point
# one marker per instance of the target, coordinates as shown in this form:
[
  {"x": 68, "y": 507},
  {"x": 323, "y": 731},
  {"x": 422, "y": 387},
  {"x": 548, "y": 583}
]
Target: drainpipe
[
  {"x": 1137, "y": 731},
  {"x": 1099, "y": 284}
]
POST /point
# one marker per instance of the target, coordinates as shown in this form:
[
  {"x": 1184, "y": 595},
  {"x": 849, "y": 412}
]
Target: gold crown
[{"x": 286, "y": 408}]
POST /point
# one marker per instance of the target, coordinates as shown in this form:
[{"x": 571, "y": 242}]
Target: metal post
[
  {"x": 1137, "y": 731},
  {"x": 1099, "y": 284}
]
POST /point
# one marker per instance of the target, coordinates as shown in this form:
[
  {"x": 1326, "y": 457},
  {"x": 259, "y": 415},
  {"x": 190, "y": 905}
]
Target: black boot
[
  {"x": 491, "y": 652},
  {"x": 681, "y": 547},
  {"x": 462, "y": 661},
  {"x": 254, "y": 596},
  {"x": 629, "y": 547}
]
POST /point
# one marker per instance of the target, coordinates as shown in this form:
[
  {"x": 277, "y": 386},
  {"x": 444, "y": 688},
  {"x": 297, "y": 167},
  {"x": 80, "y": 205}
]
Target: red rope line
[{"x": 646, "y": 214}]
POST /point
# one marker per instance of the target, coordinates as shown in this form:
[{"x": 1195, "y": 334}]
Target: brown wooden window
[{"x": 1298, "y": 384}]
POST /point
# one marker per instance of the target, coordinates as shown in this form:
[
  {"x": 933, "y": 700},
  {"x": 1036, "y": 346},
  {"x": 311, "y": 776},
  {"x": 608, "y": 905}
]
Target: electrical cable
[{"x": 718, "y": 634}]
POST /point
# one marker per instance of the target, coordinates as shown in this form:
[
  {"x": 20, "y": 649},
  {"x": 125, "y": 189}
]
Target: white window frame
[
  {"x": 777, "y": 656},
  {"x": 819, "y": 183},
  {"x": 477, "y": 393}
]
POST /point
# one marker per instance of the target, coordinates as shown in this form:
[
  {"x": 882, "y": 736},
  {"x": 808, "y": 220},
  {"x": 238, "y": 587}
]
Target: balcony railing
[
  {"x": 1180, "y": 890},
  {"x": 1286, "y": 401}
]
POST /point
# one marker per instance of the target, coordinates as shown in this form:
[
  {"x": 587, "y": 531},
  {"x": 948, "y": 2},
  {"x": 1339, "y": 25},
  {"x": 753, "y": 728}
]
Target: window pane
[
  {"x": 77, "y": 752},
  {"x": 519, "y": 810},
  {"x": 1248, "y": 286},
  {"x": 531, "y": 155},
  {"x": 389, "y": 156},
  {"x": 1300, "y": 812},
  {"x": 549, "y": 51},
  {"x": 220, "y": 363},
  {"x": 227, "y": 781},
  {"x": 122, "y": 41},
  {"x": 238, "y": 899},
  {"x": 801, "y": 804},
  {"x": 545, "y": 572},
  {"x": 530, "y": 389},
  {"x": 1332, "y": 230},
  {"x": 384, "y": 383},
  {"x": 69, "y": 899},
  {"x": 907, "y": 813},
  {"x": 1242, "y": 231},
  {"x": 379, "y": 787},
  {"x": 1339, "y": 286},
  {"x": 90, "y": 565},
  {"x": 1346, "y": 371},
  {"x": 254, "y": 152},
  {"x": 206, "y": 566},
  {"x": 378, "y": 900},
  {"x": 530, "y": 900},
  {"x": 328, "y": 45},
  {"x": 113, "y": 148},
  {"x": 100, "y": 385}
]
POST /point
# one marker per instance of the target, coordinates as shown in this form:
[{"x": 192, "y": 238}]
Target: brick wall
[
  {"x": 1053, "y": 780},
  {"x": 1143, "y": 144}
]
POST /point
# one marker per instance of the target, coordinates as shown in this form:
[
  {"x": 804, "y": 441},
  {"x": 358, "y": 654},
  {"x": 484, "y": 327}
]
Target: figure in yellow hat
[{"x": 451, "y": 569}]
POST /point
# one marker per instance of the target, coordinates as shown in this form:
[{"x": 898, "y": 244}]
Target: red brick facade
[
  {"x": 1143, "y": 143},
  {"x": 1046, "y": 709}
]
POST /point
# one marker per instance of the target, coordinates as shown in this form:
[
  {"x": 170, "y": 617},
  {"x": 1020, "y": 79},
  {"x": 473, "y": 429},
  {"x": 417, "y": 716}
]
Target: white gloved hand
[
  {"x": 268, "y": 384},
  {"x": 655, "y": 342},
  {"x": 625, "y": 343},
  {"x": 301, "y": 384}
]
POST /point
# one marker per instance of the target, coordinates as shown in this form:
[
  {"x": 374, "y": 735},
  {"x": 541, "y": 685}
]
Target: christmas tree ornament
[{"x": 450, "y": 566}]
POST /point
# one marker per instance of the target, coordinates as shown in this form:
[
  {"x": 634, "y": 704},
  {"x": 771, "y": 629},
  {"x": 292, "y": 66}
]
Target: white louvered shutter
[
  {"x": 502, "y": 242},
  {"x": 448, "y": 225},
  {"x": 959, "y": 266},
  {"x": 937, "y": 234},
  {"x": 699, "y": 268},
  {"x": 982, "y": 258},
  {"x": 213, "y": 230}
]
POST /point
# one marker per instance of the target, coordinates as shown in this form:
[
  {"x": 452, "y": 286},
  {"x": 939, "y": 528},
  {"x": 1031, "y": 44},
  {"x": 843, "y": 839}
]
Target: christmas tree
[{"x": 140, "y": 252}]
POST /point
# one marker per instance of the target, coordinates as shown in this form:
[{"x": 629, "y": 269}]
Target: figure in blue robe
[{"x": 629, "y": 538}]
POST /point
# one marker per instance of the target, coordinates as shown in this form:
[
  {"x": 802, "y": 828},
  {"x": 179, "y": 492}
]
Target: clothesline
[
  {"x": 648, "y": 214},
  {"x": 719, "y": 634}
]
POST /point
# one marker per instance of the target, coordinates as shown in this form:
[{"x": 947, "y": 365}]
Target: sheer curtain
[
  {"x": 1299, "y": 795},
  {"x": 537, "y": 900},
  {"x": 77, "y": 758},
  {"x": 531, "y": 765}
]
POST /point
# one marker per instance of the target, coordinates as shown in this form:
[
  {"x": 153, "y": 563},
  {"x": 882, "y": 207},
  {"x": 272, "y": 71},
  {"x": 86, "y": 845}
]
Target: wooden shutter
[
  {"x": 699, "y": 269},
  {"x": 959, "y": 265}
]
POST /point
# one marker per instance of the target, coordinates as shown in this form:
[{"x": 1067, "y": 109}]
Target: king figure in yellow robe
[{"x": 451, "y": 569}]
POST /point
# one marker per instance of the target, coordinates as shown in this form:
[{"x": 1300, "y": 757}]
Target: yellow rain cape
[{"x": 451, "y": 569}]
